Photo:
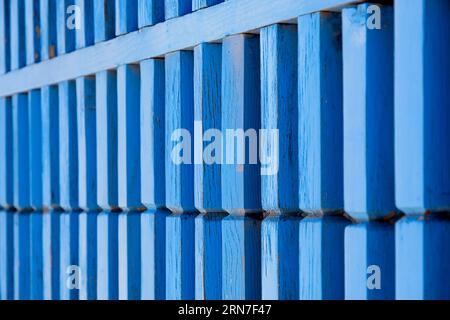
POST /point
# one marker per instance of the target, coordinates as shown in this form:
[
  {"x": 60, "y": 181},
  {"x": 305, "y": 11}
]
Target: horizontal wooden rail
[{"x": 207, "y": 25}]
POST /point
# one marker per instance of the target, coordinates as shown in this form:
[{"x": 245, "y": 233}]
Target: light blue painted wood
[
  {"x": 370, "y": 252},
  {"x": 6, "y": 255},
  {"x": 22, "y": 265},
  {"x": 6, "y": 151},
  {"x": 51, "y": 254},
  {"x": 208, "y": 256},
  {"x": 207, "y": 117},
  {"x": 87, "y": 247},
  {"x": 279, "y": 110},
  {"x": 32, "y": 31},
  {"x": 422, "y": 263},
  {"x": 87, "y": 143},
  {"x": 320, "y": 112},
  {"x": 280, "y": 257},
  {"x": 104, "y": 20},
  {"x": 17, "y": 39},
  {"x": 153, "y": 254},
  {"x": 128, "y": 117},
  {"x": 50, "y": 147},
  {"x": 368, "y": 114},
  {"x": 180, "y": 257},
  {"x": 36, "y": 255},
  {"x": 48, "y": 29},
  {"x": 179, "y": 124},
  {"x": 65, "y": 26},
  {"x": 177, "y": 8},
  {"x": 150, "y": 12},
  {"x": 68, "y": 146},
  {"x": 35, "y": 152},
  {"x": 107, "y": 156},
  {"x": 69, "y": 256},
  {"x": 5, "y": 50},
  {"x": 84, "y": 36},
  {"x": 200, "y": 4},
  {"x": 107, "y": 256},
  {"x": 422, "y": 107},
  {"x": 322, "y": 258},
  {"x": 126, "y": 16},
  {"x": 241, "y": 258},
  {"x": 152, "y": 124},
  {"x": 21, "y": 159},
  {"x": 129, "y": 256},
  {"x": 241, "y": 183}
]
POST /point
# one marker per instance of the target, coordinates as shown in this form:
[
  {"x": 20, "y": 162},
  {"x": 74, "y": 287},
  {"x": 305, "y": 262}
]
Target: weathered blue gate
[{"x": 93, "y": 205}]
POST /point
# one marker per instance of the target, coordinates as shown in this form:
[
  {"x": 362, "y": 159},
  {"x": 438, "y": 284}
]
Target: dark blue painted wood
[
  {"x": 84, "y": 36},
  {"x": 179, "y": 131},
  {"x": 280, "y": 257},
  {"x": 37, "y": 255},
  {"x": 21, "y": 156},
  {"x": 50, "y": 147},
  {"x": 22, "y": 265},
  {"x": 104, "y": 20},
  {"x": 152, "y": 124},
  {"x": 87, "y": 143},
  {"x": 279, "y": 110},
  {"x": 65, "y": 26},
  {"x": 51, "y": 254},
  {"x": 241, "y": 183},
  {"x": 35, "y": 152},
  {"x": 107, "y": 156},
  {"x": 176, "y": 8},
  {"x": 207, "y": 117},
  {"x": 87, "y": 247},
  {"x": 17, "y": 29},
  {"x": 150, "y": 12},
  {"x": 368, "y": 114},
  {"x": 422, "y": 107},
  {"x": 6, "y": 151},
  {"x": 48, "y": 29},
  {"x": 153, "y": 254},
  {"x": 5, "y": 50},
  {"x": 241, "y": 258},
  {"x": 68, "y": 146},
  {"x": 130, "y": 256},
  {"x": 69, "y": 256},
  {"x": 126, "y": 16},
  {"x": 128, "y": 117},
  {"x": 107, "y": 256},
  {"x": 200, "y": 4},
  {"x": 32, "y": 31},
  {"x": 322, "y": 258},
  {"x": 180, "y": 257},
  {"x": 6, "y": 255},
  {"x": 320, "y": 112},
  {"x": 368, "y": 245}
]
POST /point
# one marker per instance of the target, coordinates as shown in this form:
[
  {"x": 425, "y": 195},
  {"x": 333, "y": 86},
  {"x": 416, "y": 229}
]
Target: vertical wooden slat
[
  {"x": 200, "y": 4},
  {"x": 6, "y": 255},
  {"x": 176, "y": 8},
  {"x": 48, "y": 29},
  {"x": 126, "y": 16},
  {"x": 66, "y": 30},
  {"x": 36, "y": 256},
  {"x": 22, "y": 267},
  {"x": 5, "y": 27},
  {"x": 17, "y": 29},
  {"x": 6, "y": 151},
  {"x": 35, "y": 151},
  {"x": 84, "y": 36},
  {"x": 32, "y": 31},
  {"x": 104, "y": 20},
  {"x": 88, "y": 254},
  {"x": 150, "y": 12},
  {"x": 69, "y": 256},
  {"x": 51, "y": 255}
]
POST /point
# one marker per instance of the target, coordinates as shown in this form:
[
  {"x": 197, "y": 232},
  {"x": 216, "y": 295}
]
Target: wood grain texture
[
  {"x": 422, "y": 107},
  {"x": 241, "y": 258},
  {"x": 32, "y": 31},
  {"x": 126, "y": 16},
  {"x": 107, "y": 256},
  {"x": 200, "y": 4},
  {"x": 87, "y": 143},
  {"x": 87, "y": 246},
  {"x": 6, "y": 151},
  {"x": 241, "y": 183},
  {"x": 368, "y": 114},
  {"x": 177, "y": 8},
  {"x": 69, "y": 255},
  {"x": 107, "y": 139},
  {"x": 129, "y": 256},
  {"x": 320, "y": 112},
  {"x": 17, "y": 39},
  {"x": 179, "y": 119},
  {"x": 279, "y": 114},
  {"x": 153, "y": 254},
  {"x": 321, "y": 257},
  {"x": 68, "y": 146},
  {"x": 104, "y": 20},
  {"x": 180, "y": 257},
  {"x": 152, "y": 126},
  {"x": 47, "y": 29},
  {"x": 369, "y": 244},
  {"x": 150, "y": 12},
  {"x": 208, "y": 114},
  {"x": 22, "y": 264},
  {"x": 37, "y": 255},
  {"x": 6, "y": 255},
  {"x": 35, "y": 149},
  {"x": 128, "y": 126},
  {"x": 51, "y": 254},
  {"x": 5, "y": 25},
  {"x": 280, "y": 257},
  {"x": 65, "y": 37},
  {"x": 85, "y": 35}
]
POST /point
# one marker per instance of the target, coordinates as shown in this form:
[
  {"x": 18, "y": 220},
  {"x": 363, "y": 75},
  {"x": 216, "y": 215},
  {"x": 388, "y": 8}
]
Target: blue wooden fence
[{"x": 94, "y": 206}]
